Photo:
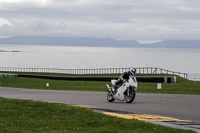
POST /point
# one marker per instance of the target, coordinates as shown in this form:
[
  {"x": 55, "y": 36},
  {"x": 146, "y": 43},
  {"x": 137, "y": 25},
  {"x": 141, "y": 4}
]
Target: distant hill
[
  {"x": 96, "y": 42},
  {"x": 68, "y": 41},
  {"x": 176, "y": 44}
]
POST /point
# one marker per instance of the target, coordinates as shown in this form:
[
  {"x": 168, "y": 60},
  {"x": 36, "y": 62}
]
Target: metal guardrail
[
  {"x": 140, "y": 70},
  {"x": 155, "y": 70}
]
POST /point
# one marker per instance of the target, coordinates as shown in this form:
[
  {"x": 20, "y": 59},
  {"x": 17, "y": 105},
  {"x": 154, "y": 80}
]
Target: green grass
[
  {"x": 34, "y": 83},
  {"x": 178, "y": 88},
  {"x": 183, "y": 86},
  {"x": 29, "y": 116}
]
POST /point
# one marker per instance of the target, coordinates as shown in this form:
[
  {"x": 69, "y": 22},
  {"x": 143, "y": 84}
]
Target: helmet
[{"x": 133, "y": 71}]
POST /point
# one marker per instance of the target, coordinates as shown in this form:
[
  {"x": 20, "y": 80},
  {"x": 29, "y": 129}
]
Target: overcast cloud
[{"x": 118, "y": 19}]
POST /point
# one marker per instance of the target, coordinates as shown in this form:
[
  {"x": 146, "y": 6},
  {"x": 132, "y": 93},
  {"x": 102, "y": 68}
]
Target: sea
[{"x": 65, "y": 57}]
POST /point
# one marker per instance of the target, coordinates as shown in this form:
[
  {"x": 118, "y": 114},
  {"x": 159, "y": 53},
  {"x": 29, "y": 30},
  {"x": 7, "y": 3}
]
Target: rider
[{"x": 124, "y": 76}]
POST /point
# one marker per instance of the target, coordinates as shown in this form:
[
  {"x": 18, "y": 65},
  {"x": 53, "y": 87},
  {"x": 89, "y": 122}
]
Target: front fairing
[{"x": 133, "y": 81}]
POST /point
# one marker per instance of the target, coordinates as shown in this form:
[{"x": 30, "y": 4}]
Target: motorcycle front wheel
[
  {"x": 110, "y": 97},
  {"x": 129, "y": 95}
]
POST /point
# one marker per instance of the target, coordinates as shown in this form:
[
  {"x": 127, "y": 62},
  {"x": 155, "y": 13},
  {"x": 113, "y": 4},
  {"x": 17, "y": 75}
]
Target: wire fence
[
  {"x": 194, "y": 76},
  {"x": 140, "y": 70}
]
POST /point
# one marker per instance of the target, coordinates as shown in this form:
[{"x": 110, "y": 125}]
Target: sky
[{"x": 142, "y": 20}]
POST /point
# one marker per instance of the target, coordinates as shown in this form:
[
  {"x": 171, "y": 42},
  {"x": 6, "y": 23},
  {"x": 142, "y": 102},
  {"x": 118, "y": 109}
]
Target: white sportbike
[{"x": 125, "y": 92}]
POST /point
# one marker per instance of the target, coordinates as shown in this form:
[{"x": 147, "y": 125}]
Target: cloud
[
  {"x": 4, "y": 22},
  {"x": 148, "y": 41},
  {"x": 119, "y": 19}
]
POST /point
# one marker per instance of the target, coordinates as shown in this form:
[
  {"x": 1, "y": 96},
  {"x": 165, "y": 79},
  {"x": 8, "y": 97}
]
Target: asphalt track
[{"x": 186, "y": 107}]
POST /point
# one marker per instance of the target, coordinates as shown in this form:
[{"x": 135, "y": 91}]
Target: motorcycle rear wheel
[
  {"x": 110, "y": 97},
  {"x": 129, "y": 98}
]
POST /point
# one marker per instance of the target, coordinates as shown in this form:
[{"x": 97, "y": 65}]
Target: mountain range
[{"x": 96, "y": 42}]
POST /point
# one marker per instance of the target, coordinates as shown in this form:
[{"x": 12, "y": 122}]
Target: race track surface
[{"x": 186, "y": 107}]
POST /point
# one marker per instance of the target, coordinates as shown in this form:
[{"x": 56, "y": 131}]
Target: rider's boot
[{"x": 115, "y": 89}]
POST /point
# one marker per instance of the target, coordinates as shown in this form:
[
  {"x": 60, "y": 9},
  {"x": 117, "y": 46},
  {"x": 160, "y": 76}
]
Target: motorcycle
[{"x": 125, "y": 92}]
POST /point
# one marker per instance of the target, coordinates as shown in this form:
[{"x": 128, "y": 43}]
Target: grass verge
[
  {"x": 183, "y": 86},
  {"x": 29, "y": 116}
]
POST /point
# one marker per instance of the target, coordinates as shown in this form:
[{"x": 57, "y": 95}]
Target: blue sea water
[{"x": 39, "y": 56}]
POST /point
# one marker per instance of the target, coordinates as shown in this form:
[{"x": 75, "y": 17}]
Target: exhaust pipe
[{"x": 108, "y": 87}]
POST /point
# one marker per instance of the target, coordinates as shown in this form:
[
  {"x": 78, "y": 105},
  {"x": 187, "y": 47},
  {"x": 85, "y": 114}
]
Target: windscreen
[{"x": 133, "y": 78}]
